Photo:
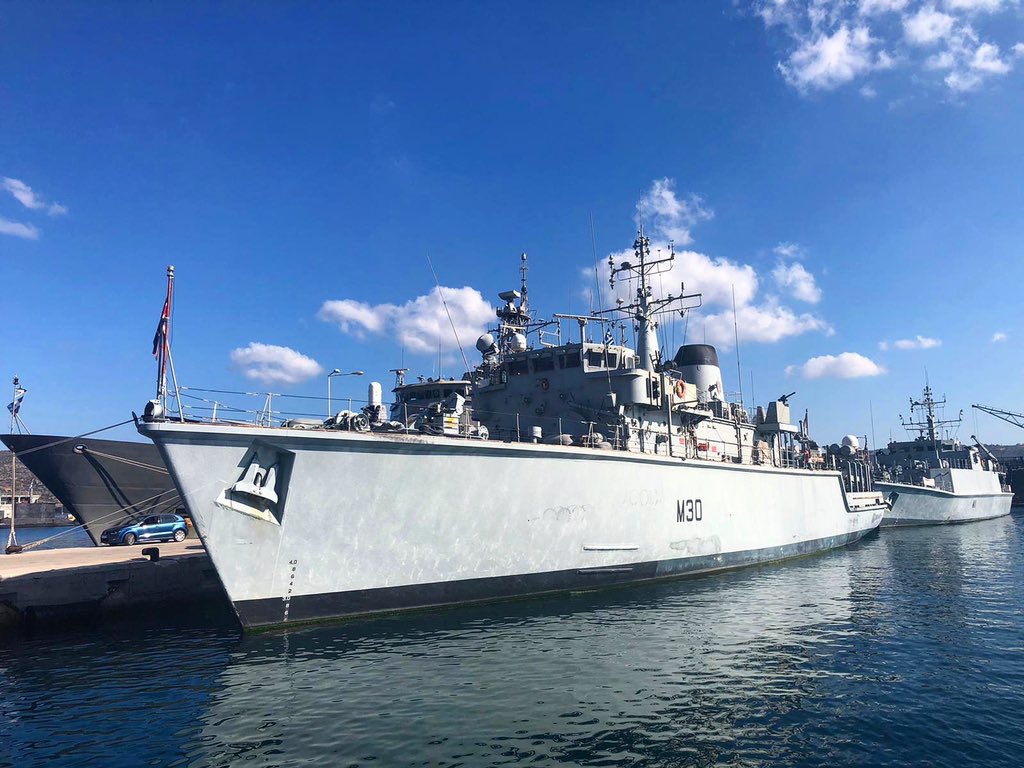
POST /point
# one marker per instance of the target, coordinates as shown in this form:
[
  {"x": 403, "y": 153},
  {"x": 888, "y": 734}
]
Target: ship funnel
[{"x": 698, "y": 363}]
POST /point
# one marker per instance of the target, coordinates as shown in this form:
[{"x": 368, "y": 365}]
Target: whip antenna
[
  {"x": 736, "y": 333},
  {"x": 440, "y": 293}
]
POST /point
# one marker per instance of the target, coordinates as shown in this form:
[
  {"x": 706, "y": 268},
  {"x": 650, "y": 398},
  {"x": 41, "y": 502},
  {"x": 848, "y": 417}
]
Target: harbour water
[
  {"x": 904, "y": 649},
  {"x": 58, "y": 536}
]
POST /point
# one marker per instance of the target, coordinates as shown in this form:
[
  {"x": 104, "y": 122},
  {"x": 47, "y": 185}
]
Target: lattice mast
[
  {"x": 931, "y": 424},
  {"x": 646, "y": 308}
]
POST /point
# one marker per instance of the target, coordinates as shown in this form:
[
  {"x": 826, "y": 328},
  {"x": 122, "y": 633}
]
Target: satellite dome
[
  {"x": 484, "y": 343},
  {"x": 518, "y": 342},
  {"x": 851, "y": 441}
]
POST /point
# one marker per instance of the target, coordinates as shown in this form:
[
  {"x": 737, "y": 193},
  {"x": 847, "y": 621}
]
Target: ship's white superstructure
[
  {"x": 583, "y": 464},
  {"x": 933, "y": 480}
]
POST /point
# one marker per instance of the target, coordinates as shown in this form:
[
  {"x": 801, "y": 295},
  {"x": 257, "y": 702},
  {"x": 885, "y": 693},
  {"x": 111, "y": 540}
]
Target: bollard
[{"x": 153, "y": 553}]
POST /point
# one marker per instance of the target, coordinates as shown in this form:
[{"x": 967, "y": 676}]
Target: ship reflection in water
[{"x": 902, "y": 649}]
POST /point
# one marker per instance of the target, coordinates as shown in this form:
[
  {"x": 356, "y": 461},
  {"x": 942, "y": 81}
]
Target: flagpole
[
  {"x": 12, "y": 538},
  {"x": 167, "y": 344},
  {"x": 164, "y": 347}
]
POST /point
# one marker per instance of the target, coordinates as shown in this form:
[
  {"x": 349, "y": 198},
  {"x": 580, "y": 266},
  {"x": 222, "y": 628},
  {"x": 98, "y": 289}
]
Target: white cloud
[
  {"x": 875, "y": 7},
  {"x": 928, "y": 26},
  {"x": 271, "y": 364},
  {"x": 766, "y": 323},
  {"x": 357, "y": 317},
  {"x": 17, "y": 229},
  {"x": 24, "y": 194},
  {"x": 918, "y": 342},
  {"x": 789, "y": 250},
  {"x": 943, "y": 60},
  {"x": 826, "y": 61},
  {"x": 986, "y": 59},
  {"x": 715, "y": 278},
  {"x": 773, "y": 12},
  {"x": 848, "y": 365},
  {"x": 974, "y": 5},
  {"x": 797, "y": 281},
  {"x": 421, "y": 324},
  {"x": 718, "y": 280},
  {"x": 969, "y": 61},
  {"x": 831, "y": 43},
  {"x": 662, "y": 211},
  {"x": 961, "y": 82},
  {"x": 999, "y": 336}
]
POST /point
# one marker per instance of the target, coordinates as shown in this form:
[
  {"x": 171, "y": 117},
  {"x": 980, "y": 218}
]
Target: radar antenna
[
  {"x": 931, "y": 424},
  {"x": 646, "y": 308}
]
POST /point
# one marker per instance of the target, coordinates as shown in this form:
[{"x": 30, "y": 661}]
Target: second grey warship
[{"x": 934, "y": 479}]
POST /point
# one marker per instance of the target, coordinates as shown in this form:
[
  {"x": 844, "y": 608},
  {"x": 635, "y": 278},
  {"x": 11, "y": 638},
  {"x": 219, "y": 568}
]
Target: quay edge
[{"x": 50, "y": 587}]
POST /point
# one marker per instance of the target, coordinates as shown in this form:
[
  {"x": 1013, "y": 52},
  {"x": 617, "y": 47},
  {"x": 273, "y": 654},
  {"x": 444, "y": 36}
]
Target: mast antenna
[
  {"x": 736, "y": 334},
  {"x": 523, "y": 269},
  {"x": 440, "y": 293},
  {"x": 646, "y": 308},
  {"x": 593, "y": 247}
]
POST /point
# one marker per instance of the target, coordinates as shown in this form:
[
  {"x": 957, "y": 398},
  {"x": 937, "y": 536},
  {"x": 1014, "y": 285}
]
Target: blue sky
[{"x": 852, "y": 168}]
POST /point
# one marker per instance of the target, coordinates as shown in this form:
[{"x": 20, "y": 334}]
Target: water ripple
[{"x": 902, "y": 649}]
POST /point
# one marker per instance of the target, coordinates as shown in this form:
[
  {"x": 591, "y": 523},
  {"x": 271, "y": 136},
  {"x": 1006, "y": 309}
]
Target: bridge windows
[{"x": 599, "y": 358}]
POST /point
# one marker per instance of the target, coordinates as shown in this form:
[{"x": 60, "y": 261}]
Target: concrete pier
[{"x": 95, "y": 582}]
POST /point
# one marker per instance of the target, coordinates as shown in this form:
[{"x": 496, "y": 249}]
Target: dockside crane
[{"x": 1012, "y": 417}]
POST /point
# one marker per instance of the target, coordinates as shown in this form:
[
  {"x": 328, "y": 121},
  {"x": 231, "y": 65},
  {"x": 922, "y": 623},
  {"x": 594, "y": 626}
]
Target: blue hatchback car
[{"x": 152, "y": 528}]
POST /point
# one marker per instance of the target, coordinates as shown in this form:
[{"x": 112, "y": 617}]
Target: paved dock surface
[
  {"x": 39, "y": 561},
  {"x": 86, "y": 581}
]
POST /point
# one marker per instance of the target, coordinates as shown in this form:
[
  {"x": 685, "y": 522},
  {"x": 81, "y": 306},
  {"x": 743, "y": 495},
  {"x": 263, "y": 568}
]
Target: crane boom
[{"x": 1016, "y": 419}]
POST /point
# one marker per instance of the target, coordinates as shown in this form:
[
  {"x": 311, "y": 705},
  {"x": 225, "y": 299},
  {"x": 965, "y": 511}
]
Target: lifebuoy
[{"x": 680, "y": 389}]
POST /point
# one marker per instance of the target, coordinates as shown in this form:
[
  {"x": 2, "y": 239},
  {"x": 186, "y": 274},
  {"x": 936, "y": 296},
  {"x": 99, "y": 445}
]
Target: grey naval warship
[
  {"x": 932, "y": 479},
  {"x": 101, "y": 483},
  {"x": 582, "y": 465}
]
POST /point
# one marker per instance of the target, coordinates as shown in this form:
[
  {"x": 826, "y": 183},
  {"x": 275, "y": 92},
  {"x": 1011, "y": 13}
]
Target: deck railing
[{"x": 282, "y": 410}]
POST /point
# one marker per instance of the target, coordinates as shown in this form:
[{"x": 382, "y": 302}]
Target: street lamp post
[{"x": 331, "y": 375}]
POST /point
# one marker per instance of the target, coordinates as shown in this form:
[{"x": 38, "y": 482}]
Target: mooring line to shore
[{"x": 19, "y": 454}]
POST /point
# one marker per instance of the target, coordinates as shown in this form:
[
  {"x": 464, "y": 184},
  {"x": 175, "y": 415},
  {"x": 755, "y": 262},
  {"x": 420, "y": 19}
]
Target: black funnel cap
[{"x": 696, "y": 354}]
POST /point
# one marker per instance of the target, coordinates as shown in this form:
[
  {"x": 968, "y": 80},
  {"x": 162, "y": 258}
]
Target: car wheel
[
  {"x": 129, "y": 539},
  {"x": 179, "y": 535}
]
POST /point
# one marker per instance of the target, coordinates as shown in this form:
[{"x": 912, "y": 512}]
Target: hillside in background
[{"x": 24, "y": 479}]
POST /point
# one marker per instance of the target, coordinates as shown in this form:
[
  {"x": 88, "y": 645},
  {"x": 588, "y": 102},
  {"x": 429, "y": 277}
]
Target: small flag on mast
[
  {"x": 161, "y": 329},
  {"x": 15, "y": 405}
]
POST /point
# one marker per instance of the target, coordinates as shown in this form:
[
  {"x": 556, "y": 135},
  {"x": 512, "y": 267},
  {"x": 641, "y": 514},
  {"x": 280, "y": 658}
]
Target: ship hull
[
  {"x": 915, "y": 505},
  {"x": 371, "y": 523},
  {"x": 108, "y": 484}
]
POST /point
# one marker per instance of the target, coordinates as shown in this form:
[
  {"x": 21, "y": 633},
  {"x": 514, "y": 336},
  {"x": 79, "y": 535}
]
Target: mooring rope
[
  {"x": 121, "y": 510},
  {"x": 123, "y": 460},
  {"x": 19, "y": 454}
]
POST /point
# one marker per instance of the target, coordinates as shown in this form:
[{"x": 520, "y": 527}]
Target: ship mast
[
  {"x": 645, "y": 308},
  {"x": 930, "y": 426},
  {"x": 514, "y": 320}
]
